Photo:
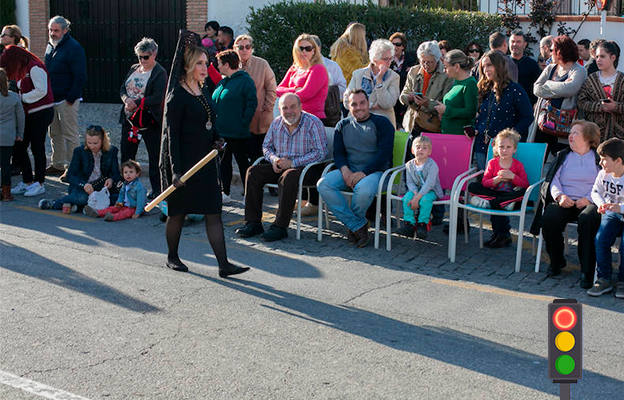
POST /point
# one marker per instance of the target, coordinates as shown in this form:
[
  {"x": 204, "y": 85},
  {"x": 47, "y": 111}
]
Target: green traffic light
[{"x": 564, "y": 364}]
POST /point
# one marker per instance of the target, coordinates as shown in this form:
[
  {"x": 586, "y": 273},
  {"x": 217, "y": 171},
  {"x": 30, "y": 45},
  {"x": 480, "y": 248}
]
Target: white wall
[{"x": 21, "y": 17}]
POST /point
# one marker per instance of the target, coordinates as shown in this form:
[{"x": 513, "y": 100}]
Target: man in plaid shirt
[{"x": 294, "y": 140}]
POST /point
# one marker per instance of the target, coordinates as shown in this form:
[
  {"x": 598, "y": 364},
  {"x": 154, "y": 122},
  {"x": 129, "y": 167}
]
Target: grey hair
[
  {"x": 285, "y": 96},
  {"x": 146, "y": 45},
  {"x": 379, "y": 47},
  {"x": 62, "y": 21},
  {"x": 430, "y": 48},
  {"x": 546, "y": 41}
]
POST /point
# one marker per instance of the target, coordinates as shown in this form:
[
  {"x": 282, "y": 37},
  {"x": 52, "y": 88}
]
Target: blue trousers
[
  {"x": 364, "y": 193},
  {"x": 76, "y": 195},
  {"x": 611, "y": 226}
]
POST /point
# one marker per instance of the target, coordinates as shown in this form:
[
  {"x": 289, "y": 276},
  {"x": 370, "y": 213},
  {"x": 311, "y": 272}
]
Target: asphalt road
[{"x": 87, "y": 309}]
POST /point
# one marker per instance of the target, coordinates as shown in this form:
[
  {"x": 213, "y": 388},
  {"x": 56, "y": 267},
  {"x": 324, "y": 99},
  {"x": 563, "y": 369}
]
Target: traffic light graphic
[{"x": 565, "y": 341}]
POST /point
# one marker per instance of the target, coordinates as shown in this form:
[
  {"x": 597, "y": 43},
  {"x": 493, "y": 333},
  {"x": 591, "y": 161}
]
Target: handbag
[
  {"x": 555, "y": 121},
  {"x": 140, "y": 120},
  {"x": 99, "y": 200},
  {"x": 333, "y": 113},
  {"x": 429, "y": 122}
]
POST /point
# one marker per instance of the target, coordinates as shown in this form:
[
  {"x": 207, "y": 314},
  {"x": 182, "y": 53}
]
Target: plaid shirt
[{"x": 305, "y": 145}]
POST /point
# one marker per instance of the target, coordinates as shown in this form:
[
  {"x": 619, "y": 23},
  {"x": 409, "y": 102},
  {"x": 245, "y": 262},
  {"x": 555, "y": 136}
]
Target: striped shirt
[{"x": 305, "y": 145}]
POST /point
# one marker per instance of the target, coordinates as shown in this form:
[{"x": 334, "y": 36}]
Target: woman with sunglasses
[
  {"x": 35, "y": 89},
  {"x": 260, "y": 71},
  {"x": 601, "y": 97},
  {"x": 380, "y": 83},
  {"x": 307, "y": 77},
  {"x": 474, "y": 51},
  {"x": 12, "y": 34},
  {"x": 144, "y": 87},
  {"x": 401, "y": 63}
]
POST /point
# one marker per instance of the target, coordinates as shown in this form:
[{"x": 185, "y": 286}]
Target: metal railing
[{"x": 564, "y": 7}]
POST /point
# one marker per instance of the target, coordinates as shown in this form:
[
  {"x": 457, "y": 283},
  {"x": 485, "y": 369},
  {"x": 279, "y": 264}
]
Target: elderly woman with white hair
[
  {"x": 378, "y": 80},
  {"x": 426, "y": 85},
  {"x": 142, "y": 93}
]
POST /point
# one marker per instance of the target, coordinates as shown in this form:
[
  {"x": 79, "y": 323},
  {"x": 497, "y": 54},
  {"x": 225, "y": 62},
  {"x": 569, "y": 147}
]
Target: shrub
[{"x": 275, "y": 27}]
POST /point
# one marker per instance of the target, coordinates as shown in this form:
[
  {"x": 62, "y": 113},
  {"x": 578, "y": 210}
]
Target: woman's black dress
[{"x": 189, "y": 142}]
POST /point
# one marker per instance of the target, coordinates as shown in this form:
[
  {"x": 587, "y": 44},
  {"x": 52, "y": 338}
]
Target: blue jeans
[
  {"x": 611, "y": 226},
  {"x": 424, "y": 210},
  {"x": 364, "y": 193},
  {"x": 480, "y": 160},
  {"x": 76, "y": 195}
]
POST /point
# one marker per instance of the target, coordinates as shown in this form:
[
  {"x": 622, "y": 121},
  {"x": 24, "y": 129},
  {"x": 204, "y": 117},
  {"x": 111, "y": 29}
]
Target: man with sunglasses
[
  {"x": 528, "y": 68},
  {"x": 67, "y": 67}
]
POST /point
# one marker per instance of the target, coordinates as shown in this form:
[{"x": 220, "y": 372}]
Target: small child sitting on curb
[
  {"x": 423, "y": 185},
  {"x": 132, "y": 196}
]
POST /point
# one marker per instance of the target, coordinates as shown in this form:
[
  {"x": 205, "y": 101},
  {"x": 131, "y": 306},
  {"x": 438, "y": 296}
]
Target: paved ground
[{"x": 88, "y": 308}]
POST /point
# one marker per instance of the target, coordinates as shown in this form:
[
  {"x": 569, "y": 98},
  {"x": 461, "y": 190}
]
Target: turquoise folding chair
[
  {"x": 532, "y": 156},
  {"x": 452, "y": 154},
  {"x": 398, "y": 161}
]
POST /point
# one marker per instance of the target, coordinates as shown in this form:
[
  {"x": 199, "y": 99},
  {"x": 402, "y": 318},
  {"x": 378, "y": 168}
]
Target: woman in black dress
[{"x": 189, "y": 135}]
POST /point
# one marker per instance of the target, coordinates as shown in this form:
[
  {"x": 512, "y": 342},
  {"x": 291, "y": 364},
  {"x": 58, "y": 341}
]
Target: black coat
[
  {"x": 81, "y": 166},
  {"x": 545, "y": 197},
  {"x": 154, "y": 91}
]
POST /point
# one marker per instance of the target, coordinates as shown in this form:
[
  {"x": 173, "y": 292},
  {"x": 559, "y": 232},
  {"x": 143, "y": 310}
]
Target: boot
[{"x": 6, "y": 193}]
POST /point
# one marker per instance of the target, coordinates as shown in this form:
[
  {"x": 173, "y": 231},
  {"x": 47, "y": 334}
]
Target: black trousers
[
  {"x": 35, "y": 130},
  {"x": 239, "y": 148},
  {"x": 151, "y": 137},
  {"x": 5, "y": 164},
  {"x": 554, "y": 220},
  {"x": 255, "y": 146}
]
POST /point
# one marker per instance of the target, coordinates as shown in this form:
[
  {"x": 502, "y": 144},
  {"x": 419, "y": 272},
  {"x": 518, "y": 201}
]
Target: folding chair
[
  {"x": 330, "y": 151},
  {"x": 452, "y": 154},
  {"x": 398, "y": 160},
  {"x": 532, "y": 156}
]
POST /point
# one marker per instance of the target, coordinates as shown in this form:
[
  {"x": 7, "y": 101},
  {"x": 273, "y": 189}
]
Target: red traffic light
[{"x": 564, "y": 318}]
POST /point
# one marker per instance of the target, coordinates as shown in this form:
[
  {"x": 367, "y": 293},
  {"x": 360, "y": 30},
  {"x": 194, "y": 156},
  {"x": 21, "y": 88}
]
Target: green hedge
[
  {"x": 275, "y": 27},
  {"x": 7, "y": 12}
]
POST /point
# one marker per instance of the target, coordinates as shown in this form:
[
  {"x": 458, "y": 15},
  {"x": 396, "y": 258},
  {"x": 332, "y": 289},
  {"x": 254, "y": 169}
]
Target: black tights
[{"x": 214, "y": 231}]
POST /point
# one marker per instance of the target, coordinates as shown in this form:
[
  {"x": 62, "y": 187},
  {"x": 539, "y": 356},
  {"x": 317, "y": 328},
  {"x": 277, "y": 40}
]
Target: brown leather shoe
[{"x": 362, "y": 236}]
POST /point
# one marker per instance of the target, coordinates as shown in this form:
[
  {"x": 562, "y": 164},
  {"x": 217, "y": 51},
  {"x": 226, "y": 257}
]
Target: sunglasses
[
  {"x": 244, "y": 47},
  {"x": 473, "y": 50},
  {"x": 306, "y": 48},
  {"x": 144, "y": 57},
  {"x": 397, "y": 44},
  {"x": 5, "y": 34}
]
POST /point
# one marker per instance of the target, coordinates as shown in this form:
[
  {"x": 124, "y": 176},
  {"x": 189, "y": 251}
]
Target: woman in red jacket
[{"x": 35, "y": 90}]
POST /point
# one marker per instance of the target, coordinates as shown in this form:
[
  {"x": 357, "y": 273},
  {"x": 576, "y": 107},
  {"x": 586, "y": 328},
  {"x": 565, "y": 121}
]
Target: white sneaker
[
  {"x": 225, "y": 198},
  {"x": 20, "y": 188},
  {"x": 34, "y": 189},
  {"x": 479, "y": 202}
]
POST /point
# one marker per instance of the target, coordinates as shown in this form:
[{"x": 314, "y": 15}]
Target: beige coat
[
  {"x": 439, "y": 84},
  {"x": 384, "y": 96},
  {"x": 264, "y": 78}
]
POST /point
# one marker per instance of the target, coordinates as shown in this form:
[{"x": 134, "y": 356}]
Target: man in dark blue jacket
[
  {"x": 67, "y": 67},
  {"x": 363, "y": 145}
]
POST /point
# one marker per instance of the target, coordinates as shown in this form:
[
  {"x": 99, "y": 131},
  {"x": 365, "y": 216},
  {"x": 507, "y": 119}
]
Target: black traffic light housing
[{"x": 565, "y": 341}]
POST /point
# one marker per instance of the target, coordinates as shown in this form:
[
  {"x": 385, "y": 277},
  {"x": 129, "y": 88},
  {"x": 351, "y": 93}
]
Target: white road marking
[{"x": 37, "y": 388}]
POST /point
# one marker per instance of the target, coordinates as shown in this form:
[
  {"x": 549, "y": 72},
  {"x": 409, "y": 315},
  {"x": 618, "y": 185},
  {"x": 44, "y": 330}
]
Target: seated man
[
  {"x": 363, "y": 145},
  {"x": 294, "y": 140}
]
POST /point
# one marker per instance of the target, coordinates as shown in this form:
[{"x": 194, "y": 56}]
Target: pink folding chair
[{"x": 453, "y": 154}]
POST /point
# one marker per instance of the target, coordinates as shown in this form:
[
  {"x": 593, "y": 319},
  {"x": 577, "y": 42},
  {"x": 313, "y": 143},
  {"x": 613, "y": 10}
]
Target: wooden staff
[{"x": 183, "y": 179}]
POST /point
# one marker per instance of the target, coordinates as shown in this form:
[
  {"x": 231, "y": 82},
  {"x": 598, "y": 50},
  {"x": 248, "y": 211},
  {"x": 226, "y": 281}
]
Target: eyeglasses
[
  {"x": 306, "y": 48},
  {"x": 144, "y": 57},
  {"x": 397, "y": 44},
  {"x": 244, "y": 47},
  {"x": 473, "y": 50}
]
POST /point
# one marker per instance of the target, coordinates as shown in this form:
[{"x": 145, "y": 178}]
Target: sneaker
[
  {"x": 90, "y": 211},
  {"x": 20, "y": 188},
  {"x": 407, "y": 230},
  {"x": 225, "y": 199},
  {"x": 34, "y": 189},
  {"x": 619, "y": 290},
  {"x": 601, "y": 287},
  {"x": 309, "y": 210},
  {"x": 45, "y": 204},
  {"x": 250, "y": 229},
  {"x": 479, "y": 202},
  {"x": 274, "y": 233},
  {"x": 421, "y": 230},
  {"x": 109, "y": 217}
]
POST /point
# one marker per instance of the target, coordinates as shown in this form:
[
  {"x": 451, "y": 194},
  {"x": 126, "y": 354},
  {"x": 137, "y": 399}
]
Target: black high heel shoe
[
  {"x": 231, "y": 269},
  {"x": 176, "y": 264}
]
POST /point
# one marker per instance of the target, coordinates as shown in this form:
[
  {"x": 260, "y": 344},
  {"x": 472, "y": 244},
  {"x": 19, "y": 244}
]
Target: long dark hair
[
  {"x": 4, "y": 83},
  {"x": 502, "y": 79}
]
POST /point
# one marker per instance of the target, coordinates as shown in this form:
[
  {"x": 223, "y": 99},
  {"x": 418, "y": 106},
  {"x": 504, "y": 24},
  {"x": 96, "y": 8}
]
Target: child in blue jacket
[{"x": 132, "y": 196}]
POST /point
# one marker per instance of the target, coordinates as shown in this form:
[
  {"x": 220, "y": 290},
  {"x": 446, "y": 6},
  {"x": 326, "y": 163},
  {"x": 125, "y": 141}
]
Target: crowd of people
[{"x": 223, "y": 96}]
